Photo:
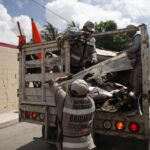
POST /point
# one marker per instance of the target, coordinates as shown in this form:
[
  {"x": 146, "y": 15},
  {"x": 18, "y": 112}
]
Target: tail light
[
  {"x": 107, "y": 124},
  {"x": 27, "y": 114},
  {"x": 120, "y": 125},
  {"x": 34, "y": 115},
  {"x": 134, "y": 127}
]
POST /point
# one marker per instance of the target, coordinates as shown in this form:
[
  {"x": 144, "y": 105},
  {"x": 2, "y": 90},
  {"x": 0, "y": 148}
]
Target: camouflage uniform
[
  {"x": 82, "y": 50},
  {"x": 75, "y": 119},
  {"x": 134, "y": 52}
]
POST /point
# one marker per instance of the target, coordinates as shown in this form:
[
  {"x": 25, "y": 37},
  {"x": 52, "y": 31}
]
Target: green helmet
[
  {"x": 79, "y": 87},
  {"x": 90, "y": 26},
  {"x": 131, "y": 26}
]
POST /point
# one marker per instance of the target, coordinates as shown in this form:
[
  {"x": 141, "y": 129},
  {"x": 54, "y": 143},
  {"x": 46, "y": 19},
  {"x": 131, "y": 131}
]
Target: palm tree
[
  {"x": 73, "y": 24},
  {"x": 50, "y": 32}
]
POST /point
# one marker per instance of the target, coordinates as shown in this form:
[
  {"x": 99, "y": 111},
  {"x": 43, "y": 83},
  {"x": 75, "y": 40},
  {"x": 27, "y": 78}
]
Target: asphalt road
[{"x": 20, "y": 137}]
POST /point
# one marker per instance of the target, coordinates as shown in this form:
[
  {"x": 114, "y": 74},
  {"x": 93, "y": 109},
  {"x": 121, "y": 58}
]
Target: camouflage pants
[{"x": 136, "y": 79}]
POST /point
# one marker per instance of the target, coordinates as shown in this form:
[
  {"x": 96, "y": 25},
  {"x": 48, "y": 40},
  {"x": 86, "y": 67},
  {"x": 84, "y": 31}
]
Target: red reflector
[
  {"x": 27, "y": 114},
  {"x": 134, "y": 127},
  {"x": 34, "y": 115}
]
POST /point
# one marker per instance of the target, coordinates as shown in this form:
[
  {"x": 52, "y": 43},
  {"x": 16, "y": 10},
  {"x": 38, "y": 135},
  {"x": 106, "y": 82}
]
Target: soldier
[
  {"x": 134, "y": 53},
  {"x": 134, "y": 76},
  {"x": 75, "y": 116},
  {"x": 82, "y": 51}
]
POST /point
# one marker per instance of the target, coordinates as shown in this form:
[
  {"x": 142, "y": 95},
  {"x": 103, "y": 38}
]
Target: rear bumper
[{"x": 104, "y": 142}]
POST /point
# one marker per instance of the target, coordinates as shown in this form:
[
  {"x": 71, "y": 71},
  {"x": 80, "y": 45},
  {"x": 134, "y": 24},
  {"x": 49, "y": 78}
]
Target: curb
[
  {"x": 8, "y": 118},
  {"x": 8, "y": 123}
]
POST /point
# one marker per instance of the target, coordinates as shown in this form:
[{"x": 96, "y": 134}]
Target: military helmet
[
  {"x": 90, "y": 26},
  {"x": 79, "y": 87},
  {"x": 131, "y": 26}
]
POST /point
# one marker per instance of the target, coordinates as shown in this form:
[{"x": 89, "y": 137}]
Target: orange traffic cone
[{"x": 36, "y": 36}]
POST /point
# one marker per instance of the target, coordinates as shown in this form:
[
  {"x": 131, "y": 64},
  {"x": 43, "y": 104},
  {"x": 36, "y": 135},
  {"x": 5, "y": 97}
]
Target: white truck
[{"x": 112, "y": 130}]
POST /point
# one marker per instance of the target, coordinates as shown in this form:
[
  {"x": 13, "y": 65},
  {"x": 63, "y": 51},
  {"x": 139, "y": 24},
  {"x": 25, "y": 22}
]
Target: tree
[
  {"x": 50, "y": 32},
  {"x": 72, "y": 24},
  {"x": 106, "y": 26},
  {"x": 115, "y": 42}
]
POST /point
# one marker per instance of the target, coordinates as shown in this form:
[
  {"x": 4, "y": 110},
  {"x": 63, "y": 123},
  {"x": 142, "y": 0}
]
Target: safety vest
[
  {"x": 78, "y": 114},
  {"x": 74, "y": 120},
  {"x": 82, "y": 51}
]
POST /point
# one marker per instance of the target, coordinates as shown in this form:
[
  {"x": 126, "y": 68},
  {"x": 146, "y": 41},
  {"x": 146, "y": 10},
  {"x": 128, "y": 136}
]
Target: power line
[{"x": 51, "y": 11}]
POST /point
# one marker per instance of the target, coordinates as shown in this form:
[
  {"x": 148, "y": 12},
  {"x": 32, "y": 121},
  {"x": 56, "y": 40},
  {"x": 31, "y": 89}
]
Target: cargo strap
[
  {"x": 84, "y": 50},
  {"x": 59, "y": 121}
]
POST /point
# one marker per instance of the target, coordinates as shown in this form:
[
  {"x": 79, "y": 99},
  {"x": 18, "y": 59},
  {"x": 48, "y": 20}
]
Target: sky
[{"x": 60, "y": 12}]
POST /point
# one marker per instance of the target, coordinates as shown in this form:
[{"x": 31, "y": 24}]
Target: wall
[{"x": 8, "y": 77}]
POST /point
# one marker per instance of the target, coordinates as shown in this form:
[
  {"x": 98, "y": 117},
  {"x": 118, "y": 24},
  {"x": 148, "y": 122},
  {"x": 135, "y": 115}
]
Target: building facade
[{"x": 8, "y": 77}]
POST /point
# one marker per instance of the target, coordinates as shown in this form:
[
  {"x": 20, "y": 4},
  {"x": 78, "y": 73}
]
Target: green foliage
[
  {"x": 49, "y": 33},
  {"x": 72, "y": 24},
  {"x": 106, "y": 26},
  {"x": 117, "y": 42}
]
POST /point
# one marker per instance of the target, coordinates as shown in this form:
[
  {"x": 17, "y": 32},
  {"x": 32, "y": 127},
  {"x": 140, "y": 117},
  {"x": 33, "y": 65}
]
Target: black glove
[
  {"x": 69, "y": 77},
  {"x": 51, "y": 82}
]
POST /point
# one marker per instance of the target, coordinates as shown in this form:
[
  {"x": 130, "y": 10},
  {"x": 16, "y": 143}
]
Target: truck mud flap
[
  {"x": 104, "y": 142},
  {"x": 52, "y": 133}
]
